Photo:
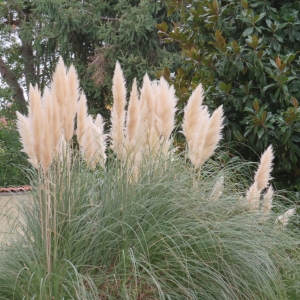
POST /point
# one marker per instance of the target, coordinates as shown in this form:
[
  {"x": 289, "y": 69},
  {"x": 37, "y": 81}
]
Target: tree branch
[
  {"x": 109, "y": 19},
  {"x": 102, "y": 18}
]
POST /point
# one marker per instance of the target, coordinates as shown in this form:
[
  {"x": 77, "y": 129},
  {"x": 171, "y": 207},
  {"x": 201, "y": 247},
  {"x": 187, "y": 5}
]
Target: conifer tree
[{"x": 91, "y": 34}]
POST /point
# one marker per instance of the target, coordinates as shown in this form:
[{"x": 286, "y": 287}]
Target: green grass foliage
[{"x": 153, "y": 234}]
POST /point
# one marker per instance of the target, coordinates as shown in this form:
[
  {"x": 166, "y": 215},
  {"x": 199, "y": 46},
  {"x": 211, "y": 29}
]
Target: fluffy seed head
[
  {"x": 147, "y": 96},
  {"x": 213, "y": 135},
  {"x": 268, "y": 198},
  {"x": 263, "y": 173},
  {"x": 36, "y": 120},
  {"x": 133, "y": 115},
  {"x": 118, "y": 112},
  {"x": 192, "y": 112},
  {"x": 81, "y": 118},
  {"x": 47, "y": 138},
  {"x": 196, "y": 144},
  {"x": 71, "y": 102},
  {"x": 100, "y": 140},
  {"x": 25, "y": 131},
  {"x": 253, "y": 197},
  {"x": 284, "y": 218},
  {"x": 60, "y": 88},
  {"x": 165, "y": 109}
]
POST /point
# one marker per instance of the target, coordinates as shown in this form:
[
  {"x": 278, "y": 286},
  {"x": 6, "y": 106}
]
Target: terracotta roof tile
[{"x": 24, "y": 188}]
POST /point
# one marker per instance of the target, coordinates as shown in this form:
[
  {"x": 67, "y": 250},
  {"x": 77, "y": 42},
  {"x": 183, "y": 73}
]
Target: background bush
[
  {"x": 246, "y": 55},
  {"x": 12, "y": 161}
]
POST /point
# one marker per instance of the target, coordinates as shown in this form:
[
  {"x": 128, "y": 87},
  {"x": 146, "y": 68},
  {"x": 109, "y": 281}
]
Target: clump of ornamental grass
[{"x": 142, "y": 222}]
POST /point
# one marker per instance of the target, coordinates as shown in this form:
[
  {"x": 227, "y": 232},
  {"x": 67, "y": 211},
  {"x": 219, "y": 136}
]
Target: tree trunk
[{"x": 13, "y": 84}]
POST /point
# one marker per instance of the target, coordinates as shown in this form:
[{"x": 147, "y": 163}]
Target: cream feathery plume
[
  {"x": 36, "y": 120},
  {"x": 213, "y": 135},
  {"x": 148, "y": 96},
  {"x": 118, "y": 111},
  {"x": 268, "y": 198},
  {"x": 284, "y": 218},
  {"x": 25, "y": 132},
  {"x": 142, "y": 131},
  {"x": 62, "y": 150},
  {"x": 153, "y": 140},
  {"x": 99, "y": 123},
  {"x": 100, "y": 140},
  {"x": 192, "y": 112},
  {"x": 253, "y": 197},
  {"x": 133, "y": 114},
  {"x": 262, "y": 175},
  {"x": 47, "y": 146},
  {"x": 261, "y": 179},
  {"x": 71, "y": 103},
  {"x": 217, "y": 189},
  {"x": 88, "y": 145},
  {"x": 81, "y": 118},
  {"x": 196, "y": 144},
  {"x": 165, "y": 109},
  {"x": 55, "y": 122},
  {"x": 60, "y": 88}
]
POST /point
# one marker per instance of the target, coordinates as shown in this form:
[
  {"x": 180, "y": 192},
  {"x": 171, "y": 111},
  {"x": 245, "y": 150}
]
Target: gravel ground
[{"x": 9, "y": 212}]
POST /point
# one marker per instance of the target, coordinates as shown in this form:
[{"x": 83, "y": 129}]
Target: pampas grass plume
[
  {"x": 55, "y": 123},
  {"x": 71, "y": 105},
  {"x": 60, "y": 88},
  {"x": 25, "y": 131},
  {"x": 165, "y": 109},
  {"x": 81, "y": 118},
  {"x": 196, "y": 144},
  {"x": 118, "y": 112},
  {"x": 262, "y": 175},
  {"x": 213, "y": 135},
  {"x": 37, "y": 120},
  {"x": 147, "y": 98},
  {"x": 191, "y": 113},
  {"x": 284, "y": 218},
  {"x": 100, "y": 140},
  {"x": 88, "y": 145},
  {"x": 267, "y": 203},
  {"x": 47, "y": 145},
  {"x": 133, "y": 114},
  {"x": 253, "y": 197},
  {"x": 217, "y": 189}
]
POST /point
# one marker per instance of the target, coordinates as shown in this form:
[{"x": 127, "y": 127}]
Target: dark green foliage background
[
  {"x": 35, "y": 33},
  {"x": 80, "y": 32},
  {"x": 246, "y": 55}
]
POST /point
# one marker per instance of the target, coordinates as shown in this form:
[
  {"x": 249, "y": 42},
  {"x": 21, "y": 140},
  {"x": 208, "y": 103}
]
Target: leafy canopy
[{"x": 246, "y": 54}]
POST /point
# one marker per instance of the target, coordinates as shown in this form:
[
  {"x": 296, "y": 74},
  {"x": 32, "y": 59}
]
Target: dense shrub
[
  {"x": 160, "y": 235},
  {"x": 246, "y": 54},
  {"x": 142, "y": 221},
  {"x": 12, "y": 161}
]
